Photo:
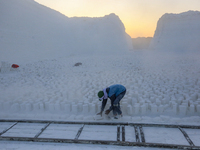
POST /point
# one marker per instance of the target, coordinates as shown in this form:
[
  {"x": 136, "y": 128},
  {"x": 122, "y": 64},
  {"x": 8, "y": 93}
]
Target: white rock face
[
  {"x": 178, "y": 32},
  {"x": 161, "y": 87},
  {"x": 37, "y": 31}
]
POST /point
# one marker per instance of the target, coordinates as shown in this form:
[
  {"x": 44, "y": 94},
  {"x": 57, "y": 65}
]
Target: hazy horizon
[{"x": 139, "y": 17}]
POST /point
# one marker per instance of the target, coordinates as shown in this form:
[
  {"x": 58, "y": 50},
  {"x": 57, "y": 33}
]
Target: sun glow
[{"x": 139, "y": 17}]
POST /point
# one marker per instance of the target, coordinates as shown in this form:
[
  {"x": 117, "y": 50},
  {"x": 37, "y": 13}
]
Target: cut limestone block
[
  {"x": 182, "y": 109},
  {"x": 51, "y": 107},
  {"x": 41, "y": 105},
  {"x": 198, "y": 108},
  {"x": 191, "y": 109},
  {"x": 174, "y": 108},
  {"x": 161, "y": 109},
  {"x": 136, "y": 109},
  {"x": 134, "y": 100},
  {"x": 67, "y": 108},
  {"x": 92, "y": 108},
  {"x": 143, "y": 109},
  {"x": 57, "y": 107},
  {"x": 129, "y": 110},
  {"x": 85, "y": 109},
  {"x": 36, "y": 107},
  {"x": 74, "y": 109}
]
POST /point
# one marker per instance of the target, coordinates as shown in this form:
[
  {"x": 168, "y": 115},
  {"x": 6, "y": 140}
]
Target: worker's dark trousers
[{"x": 116, "y": 104}]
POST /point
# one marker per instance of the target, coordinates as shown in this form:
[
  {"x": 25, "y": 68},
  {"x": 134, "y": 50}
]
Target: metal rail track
[{"x": 120, "y": 133}]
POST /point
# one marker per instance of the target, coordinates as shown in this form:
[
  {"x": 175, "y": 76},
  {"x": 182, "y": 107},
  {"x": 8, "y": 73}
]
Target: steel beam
[
  {"x": 4, "y": 131},
  {"x": 142, "y": 134},
  {"x": 187, "y": 137},
  {"x": 104, "y": 123},
  {"x": 123, "y": 133},
  {"x": 79, "y": 132},
  {"x": 119, "y": 143},
  {"x": 137, "y": 134},
  {"x": 118, "y": 133},
  {"x": 38, "y": 134}
]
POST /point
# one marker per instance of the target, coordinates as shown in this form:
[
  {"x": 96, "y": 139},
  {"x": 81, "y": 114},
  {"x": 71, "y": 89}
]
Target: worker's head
[{"x": 100, "y": 95}]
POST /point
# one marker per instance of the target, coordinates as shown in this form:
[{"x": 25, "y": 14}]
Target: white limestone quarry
[
  {"x": 56, "y": 89},
  {"x": 161, "y": 87},
  {"x": 178, "y": 33},
  {"x": 39, "y": 33}
]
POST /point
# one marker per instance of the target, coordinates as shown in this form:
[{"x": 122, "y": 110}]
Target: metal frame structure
[{"x": 138, "y": 127}]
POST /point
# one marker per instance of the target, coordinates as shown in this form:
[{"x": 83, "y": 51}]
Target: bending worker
[{"x": 115, "y": 93}]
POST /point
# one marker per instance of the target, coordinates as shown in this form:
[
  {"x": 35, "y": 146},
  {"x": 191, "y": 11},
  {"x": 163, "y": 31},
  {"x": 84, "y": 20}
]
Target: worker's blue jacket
[
  {"x": 112, "y": 92},
  {"x": 116, "y": 89}
]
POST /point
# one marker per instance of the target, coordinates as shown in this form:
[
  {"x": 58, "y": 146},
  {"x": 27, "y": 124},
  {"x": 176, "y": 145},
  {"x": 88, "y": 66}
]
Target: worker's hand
[
  {"x": 107, "y": 112},
  {"x": 100, "y": 113}
]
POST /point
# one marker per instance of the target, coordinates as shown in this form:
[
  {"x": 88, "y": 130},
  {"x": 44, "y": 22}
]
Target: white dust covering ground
[
  {"x": 163, "y": 84},
  {"x": 165, "y": 87}
]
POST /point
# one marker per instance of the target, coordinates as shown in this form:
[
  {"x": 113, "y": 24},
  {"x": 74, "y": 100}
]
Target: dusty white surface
[
  {"x": 194, "y": 136},
  {"x": 162, "y": 86},
  {"x": 60, "y": 146},
  {"x": 167, "y": 136}
]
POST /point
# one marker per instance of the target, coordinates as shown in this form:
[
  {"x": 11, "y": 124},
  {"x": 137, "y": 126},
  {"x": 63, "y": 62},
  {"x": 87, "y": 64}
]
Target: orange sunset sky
[{"x": 138, "y": 16}]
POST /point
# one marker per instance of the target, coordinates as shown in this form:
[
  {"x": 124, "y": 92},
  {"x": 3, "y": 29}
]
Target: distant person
[{"x": 115, "y": 93}]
